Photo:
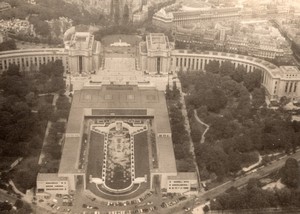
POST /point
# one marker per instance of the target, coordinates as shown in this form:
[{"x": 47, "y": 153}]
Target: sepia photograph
[{"x": 149, "y": 106}]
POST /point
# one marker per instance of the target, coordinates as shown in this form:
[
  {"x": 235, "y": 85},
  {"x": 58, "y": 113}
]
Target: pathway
[
  {"x": 42, "y": 155},
  {"x": 188, "y": 129},
  {"x": 204, "y": 124}
]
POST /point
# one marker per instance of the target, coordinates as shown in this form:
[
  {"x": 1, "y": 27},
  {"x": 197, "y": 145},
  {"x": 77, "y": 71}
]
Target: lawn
[
  {"x": 96, "y": 155},
  {"x": 141, "y": 155}
]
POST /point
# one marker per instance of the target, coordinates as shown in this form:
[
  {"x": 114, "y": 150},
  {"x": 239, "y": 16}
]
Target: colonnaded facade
[
  {"x": 159, "y": 56},
  {"x": 101, "y": 107},
  {"x": 82, "y": 57}
]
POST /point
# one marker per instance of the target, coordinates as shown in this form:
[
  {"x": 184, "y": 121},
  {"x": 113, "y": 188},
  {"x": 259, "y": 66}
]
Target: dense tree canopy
[
  {"x": 290, "y": 173},
  {"x": 8, "y": 45},
  {"x": 254, "y": 197},
  {"x": 232, "y": 102}
]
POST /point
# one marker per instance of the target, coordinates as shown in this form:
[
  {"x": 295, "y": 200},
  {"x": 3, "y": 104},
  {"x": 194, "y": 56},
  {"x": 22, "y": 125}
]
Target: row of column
[
  {"x": 193, "y": 63},
  {"x": 27, "y": 62},
  {"x": 197, "y": 19},
  {"x": 290, "y": 87}
]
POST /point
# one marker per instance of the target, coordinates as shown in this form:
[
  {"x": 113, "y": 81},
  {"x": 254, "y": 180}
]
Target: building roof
[
  {"x": 82, "y": 40},
  {"x": 184, "y": 176},
  {"x": 157, "y": 41},
  {"x": 50, "y": 177},
  {"x": 92, "y": 101},
  {"x": 166, "y": 157},
  {"x": 70, "y": 155}
]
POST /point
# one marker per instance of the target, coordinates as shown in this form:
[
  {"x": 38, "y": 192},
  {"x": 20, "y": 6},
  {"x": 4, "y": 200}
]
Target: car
[
  {"x": 66, "y": 197},
  {"x": 68, "y": 210},
  {"x": 95, "y": 208},
  {"x": 182, "y": 198},
  {"x": 164, "y": 205},
  {"x": 58, "y": 195},
  {"x": 145, "y": 210},
  {"x": 187, "y": 209},
  {"x": 57, "y": 208},
  {"x": 149, "y": 203}
]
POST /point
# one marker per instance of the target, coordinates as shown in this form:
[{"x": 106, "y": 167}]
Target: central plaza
[{"x": 118, "y": 143}]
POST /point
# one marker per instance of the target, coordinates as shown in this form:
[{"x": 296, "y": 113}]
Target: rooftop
[
  {"x": 82, "y": 40},
  {"x": 290, "y": 69},
  {"x": 184, "y": 176},
  {"x": 50, "y": 177},
  {"x": 157, "y": 41},
  {"x": 166, "y": 157},
  {"x": 89, "y": 99}
]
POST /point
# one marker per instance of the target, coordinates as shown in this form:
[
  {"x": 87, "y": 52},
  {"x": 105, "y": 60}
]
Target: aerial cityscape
[{"x": 149, "y": 106}]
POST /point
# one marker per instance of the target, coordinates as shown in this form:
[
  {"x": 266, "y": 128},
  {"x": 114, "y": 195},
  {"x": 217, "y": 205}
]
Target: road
[{"x": 260, "y": 173}]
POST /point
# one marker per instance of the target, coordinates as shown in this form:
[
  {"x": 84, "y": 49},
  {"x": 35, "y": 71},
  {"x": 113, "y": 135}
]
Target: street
[{"x": 260, "y": 173}]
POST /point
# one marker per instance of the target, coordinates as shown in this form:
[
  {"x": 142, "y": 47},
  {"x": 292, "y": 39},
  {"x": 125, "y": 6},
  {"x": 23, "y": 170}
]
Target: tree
[
  {"x": 290, "y": 173},
  {"x": 239, "y": 74},
  {"x": 258, "y": 97},
  {"x": 205, "y": 209},
  {"x": 8, "y": 45},
  {"x": 227, "y": 68},
  {"x": 13, "y": 70},
  {"x": 213, "y": 67},
  {"x": 252, "y": 80},
  {"x": 56, "y": 28},
  {"x": 19, "y": 204},
  {"x": 215, "y": 99}
]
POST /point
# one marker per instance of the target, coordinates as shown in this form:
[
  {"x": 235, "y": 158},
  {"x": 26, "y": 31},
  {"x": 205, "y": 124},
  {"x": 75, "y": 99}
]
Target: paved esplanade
[{"x": 120, "y": 64}]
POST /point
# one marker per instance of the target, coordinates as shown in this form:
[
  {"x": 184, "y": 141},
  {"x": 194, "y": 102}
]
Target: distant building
[
  {"x": 112, "y": 8},
  {"x": 187, "y": 15}
]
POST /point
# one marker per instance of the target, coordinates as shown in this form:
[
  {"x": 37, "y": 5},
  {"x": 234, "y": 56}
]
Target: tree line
[
  {"x": 180, "y": 139},
  {"x": 232, "y": 102}
]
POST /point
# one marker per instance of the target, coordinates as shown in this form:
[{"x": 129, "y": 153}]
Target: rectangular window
[
  {"x": 286, "y": 87},
  {"x": 295, "y": 87},
  {"x": 291, "y": 86},
  {"x": 158, "y": 65}
]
